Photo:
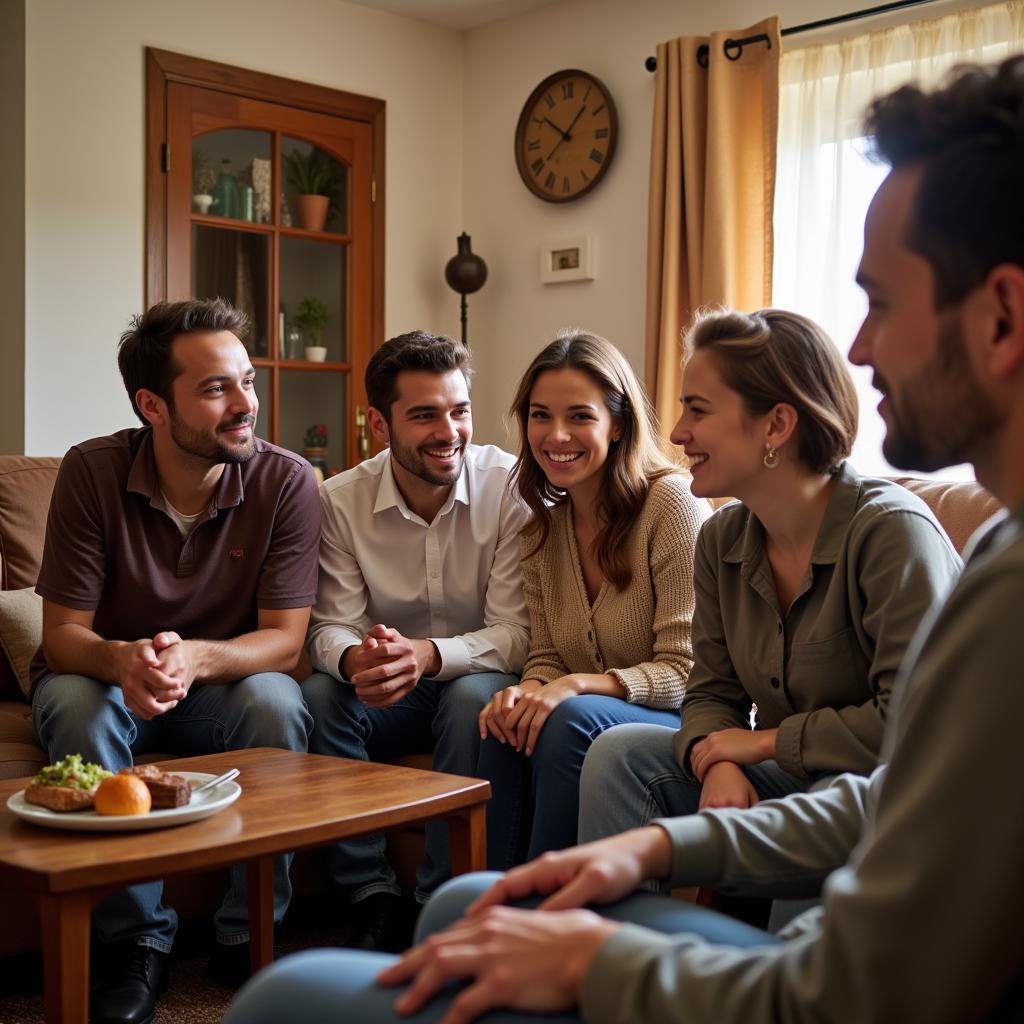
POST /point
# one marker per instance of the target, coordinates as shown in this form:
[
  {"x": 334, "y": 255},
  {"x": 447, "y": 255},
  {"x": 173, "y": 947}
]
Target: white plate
[{"x": 201, "y": 806}]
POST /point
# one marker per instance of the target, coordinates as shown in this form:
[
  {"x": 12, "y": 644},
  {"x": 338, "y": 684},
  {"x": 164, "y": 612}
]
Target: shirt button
[
  {"x": 434, "y": 574},
  {"x": 775, "y": 682},
  {"x": 780, "y": 627}
]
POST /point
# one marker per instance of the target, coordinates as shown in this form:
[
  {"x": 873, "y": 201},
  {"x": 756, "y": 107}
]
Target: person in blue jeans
[
  {"x": 809, "y": 587},
  {"x": 608, "y": 574},
  {"x": 177, "y": 576},
  {"x": 419, "y": 616}
]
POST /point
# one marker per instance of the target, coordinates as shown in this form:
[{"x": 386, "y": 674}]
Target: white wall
[
  {"x": 514, "y": 315},
  {"x": 85, "y": 183}
]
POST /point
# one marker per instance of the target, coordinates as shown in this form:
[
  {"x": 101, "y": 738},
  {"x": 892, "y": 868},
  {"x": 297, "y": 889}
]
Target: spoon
[{"x": 226, "y": 777}]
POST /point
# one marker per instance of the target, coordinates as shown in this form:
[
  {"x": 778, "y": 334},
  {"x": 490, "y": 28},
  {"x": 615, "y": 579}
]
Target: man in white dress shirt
[{"x": 420, "y": 615}]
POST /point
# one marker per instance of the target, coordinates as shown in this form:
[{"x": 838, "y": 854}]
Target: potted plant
[
  {"x": 312, "y": 316},
  {"x": 317, "y": 184},
  {"x": 203, "y": 178}
]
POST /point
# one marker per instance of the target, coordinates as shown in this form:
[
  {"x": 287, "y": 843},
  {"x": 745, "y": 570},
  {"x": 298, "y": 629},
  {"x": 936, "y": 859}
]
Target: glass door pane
[
  {"x": 235, "y": 265},
  {"x": 263, "y": 394},
  {"x": 231, "y": 175},
  {"x": 314, "y": 286},
  {"x": 310, "y": 399},
  {"x": 315, "y": 187}
]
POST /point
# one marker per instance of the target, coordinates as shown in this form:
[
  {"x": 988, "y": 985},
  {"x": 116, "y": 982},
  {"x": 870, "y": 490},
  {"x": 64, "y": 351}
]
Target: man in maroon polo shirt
[{"x": 177, "y": 578}]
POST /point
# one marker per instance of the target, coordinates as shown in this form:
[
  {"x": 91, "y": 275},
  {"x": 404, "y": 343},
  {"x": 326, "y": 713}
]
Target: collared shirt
[
  {"x": 455, "y": 581},
  {"x": 822, "y": 671},
  {"x": 112, "y": 546}
]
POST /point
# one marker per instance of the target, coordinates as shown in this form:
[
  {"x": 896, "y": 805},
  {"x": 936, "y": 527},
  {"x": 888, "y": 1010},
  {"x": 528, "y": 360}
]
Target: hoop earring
[{"x": 771, "y": 457}]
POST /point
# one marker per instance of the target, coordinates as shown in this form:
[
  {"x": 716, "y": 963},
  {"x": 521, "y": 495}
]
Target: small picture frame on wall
[{"x": 571, "y": 260}]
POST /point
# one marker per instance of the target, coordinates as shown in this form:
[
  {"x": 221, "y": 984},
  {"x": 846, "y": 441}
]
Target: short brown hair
[
  {"x": 640, "y": 456},
  {"x": 417, "y": 350},
  {"x": 144, "y": 352},
  {"x": 968, "y": 138},
  {"x": 774, "y": 356}
]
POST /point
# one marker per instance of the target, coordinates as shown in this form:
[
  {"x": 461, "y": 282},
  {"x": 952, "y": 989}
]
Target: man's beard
[
  {"x": 201, "y": 446},
  {"x": 413, "y": 462},
  {"x": 939, "y": 416}
]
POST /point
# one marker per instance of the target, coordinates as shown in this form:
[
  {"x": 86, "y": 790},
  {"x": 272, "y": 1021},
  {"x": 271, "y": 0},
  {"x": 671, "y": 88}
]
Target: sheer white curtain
[{"x": 824, "y": 181}]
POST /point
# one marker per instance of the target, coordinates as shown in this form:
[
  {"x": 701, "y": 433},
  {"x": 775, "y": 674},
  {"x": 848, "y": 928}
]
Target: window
[{"x": 825, "y": 181}]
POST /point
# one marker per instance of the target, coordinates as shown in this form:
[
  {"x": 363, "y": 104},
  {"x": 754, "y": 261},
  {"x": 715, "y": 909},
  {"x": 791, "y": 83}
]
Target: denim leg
[
  {"x": 262, "y": 710},
  {"x": 324, "y": 984},
  {"x": 456, "y": 751},
  {"x": 77, "y": 715},
  {"x": 631, "y": 776},
  {"x": 345, "y": 727},
  {"x": 558, "y": 760}
]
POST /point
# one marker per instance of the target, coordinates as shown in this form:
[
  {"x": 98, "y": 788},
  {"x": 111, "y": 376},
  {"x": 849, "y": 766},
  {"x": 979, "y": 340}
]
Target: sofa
[{"x": 25, "y": 487}]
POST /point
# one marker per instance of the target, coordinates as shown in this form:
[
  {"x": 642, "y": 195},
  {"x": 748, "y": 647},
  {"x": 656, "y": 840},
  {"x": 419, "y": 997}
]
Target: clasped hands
[
  {"x": 154, "y": 675},
  {"x": 386, "y": 665},
  {"x": 517, "y": 714},
  {"x": 533, "y": 960}
]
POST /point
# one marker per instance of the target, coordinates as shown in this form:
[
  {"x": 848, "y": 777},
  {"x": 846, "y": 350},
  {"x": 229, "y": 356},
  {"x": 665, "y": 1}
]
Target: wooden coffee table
[{"x": 289, "y": 801}]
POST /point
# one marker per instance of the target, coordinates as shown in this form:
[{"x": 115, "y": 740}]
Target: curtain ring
[{"x": 732, "y": 44}]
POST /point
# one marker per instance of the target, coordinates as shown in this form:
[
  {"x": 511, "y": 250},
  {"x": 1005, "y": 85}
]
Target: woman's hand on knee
[
  {"x": 525, "y": 721},
  {"x": 493, "y": 716}
]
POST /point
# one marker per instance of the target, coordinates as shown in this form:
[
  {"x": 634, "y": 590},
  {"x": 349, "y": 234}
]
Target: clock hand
[
  {"x": 579, "y": 114},
  {"x": 564, "y": 135}
]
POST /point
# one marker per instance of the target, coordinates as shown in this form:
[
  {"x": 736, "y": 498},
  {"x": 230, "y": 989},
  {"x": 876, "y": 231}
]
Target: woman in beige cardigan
[{"x": 608, "y": 576}]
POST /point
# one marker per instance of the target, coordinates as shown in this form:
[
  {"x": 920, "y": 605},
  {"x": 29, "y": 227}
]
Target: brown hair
[
  {"x": 969, "y": 140},
  {"x": 144, "y": 352},
  {"x": 640, "y": 456},
  {"x": 417, "y": 350},
  {"x": 774, "y": 356}
]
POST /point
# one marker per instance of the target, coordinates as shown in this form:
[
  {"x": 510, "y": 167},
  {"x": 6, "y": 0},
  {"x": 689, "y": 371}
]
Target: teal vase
[{"x": 227, "y": 201}]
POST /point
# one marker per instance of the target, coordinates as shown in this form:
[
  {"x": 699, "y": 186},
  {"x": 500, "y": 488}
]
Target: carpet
[{"x": 192, "y": 997}]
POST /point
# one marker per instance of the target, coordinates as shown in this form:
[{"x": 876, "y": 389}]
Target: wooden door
[{"x": 235, "y": 168}]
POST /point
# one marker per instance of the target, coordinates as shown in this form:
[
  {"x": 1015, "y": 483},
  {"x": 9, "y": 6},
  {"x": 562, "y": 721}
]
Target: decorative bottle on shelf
[{"x": 227, "y": 202}]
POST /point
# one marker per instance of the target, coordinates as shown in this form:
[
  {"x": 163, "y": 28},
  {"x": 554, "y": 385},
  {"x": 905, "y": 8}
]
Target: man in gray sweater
[{"x": 919, "y": 865}]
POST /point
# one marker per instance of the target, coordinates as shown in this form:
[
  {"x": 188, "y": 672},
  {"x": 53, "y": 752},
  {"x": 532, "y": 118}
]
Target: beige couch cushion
[
  {"x": 25, "y": 488},
  {"x": 21, "y": 630},
  {"x": 961, "y": 507}
]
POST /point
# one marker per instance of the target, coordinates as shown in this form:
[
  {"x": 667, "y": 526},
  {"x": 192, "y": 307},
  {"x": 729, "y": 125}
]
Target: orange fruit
[{"x": 123, "y": 794}]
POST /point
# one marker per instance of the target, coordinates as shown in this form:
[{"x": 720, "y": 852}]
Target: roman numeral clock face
[{"x": 566, "y": 136}]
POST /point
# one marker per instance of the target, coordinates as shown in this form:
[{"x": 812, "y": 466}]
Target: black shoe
[
  {"x": 382, "y": 922},
  {"x": 230, "y": 966},
  {"x": 130, "y": 992}
]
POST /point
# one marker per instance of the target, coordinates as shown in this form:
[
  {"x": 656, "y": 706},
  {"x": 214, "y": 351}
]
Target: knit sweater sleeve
[{"x": 671, "y": 518}]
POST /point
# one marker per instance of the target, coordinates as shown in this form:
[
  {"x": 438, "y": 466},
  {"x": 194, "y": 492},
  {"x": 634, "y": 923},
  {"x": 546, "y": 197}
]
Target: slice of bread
[{"x": 60, "y": 798}]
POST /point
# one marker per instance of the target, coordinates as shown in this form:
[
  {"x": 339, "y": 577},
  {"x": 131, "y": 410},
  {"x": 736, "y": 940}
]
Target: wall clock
[{"x": 566, "y": 136}]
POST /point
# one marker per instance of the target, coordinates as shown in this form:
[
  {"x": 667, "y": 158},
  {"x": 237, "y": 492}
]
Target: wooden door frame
[{"x": 163, "y": 67}]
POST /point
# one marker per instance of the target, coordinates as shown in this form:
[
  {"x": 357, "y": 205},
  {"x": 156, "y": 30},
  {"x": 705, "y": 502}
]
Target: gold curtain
[{"x": 712, "y": 188}]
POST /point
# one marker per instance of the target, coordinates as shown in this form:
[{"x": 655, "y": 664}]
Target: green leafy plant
[
  {"x": 316, "y": 436},
  {"x": 311, "y": 174},
  {"x": 312, "y": 316}
]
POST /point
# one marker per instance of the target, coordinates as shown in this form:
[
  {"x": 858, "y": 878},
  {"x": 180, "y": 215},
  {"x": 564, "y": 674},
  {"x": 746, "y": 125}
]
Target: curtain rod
[{"x": 733, "y": 48}]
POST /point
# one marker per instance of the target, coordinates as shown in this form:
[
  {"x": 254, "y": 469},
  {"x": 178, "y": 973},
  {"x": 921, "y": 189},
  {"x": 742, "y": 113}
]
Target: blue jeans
[
  {"x": 535, "y": 802},
  {"x": 324, "y": 985},
  {"x": 78, "y": 715},
  {"x": 631, "y": 776},
  {"x": 436, "y": 716}
]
